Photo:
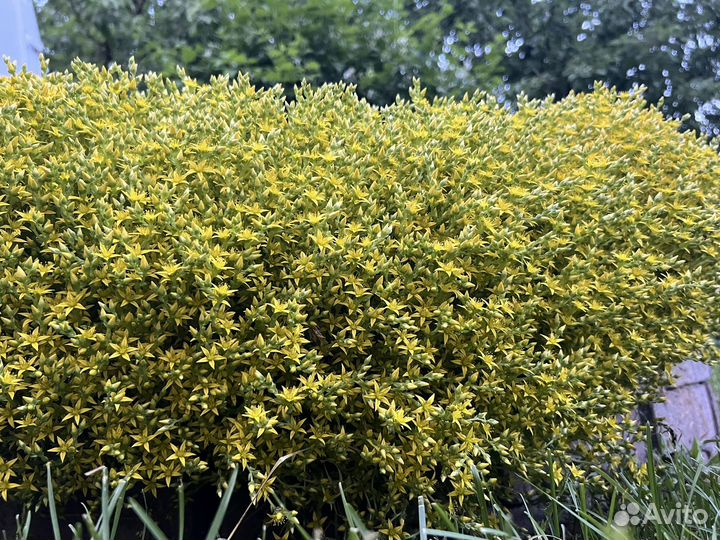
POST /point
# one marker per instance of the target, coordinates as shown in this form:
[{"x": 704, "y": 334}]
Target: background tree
[
  {"x": 538, "y": 47},
  {"x": 554, "y": 46},
  {"x": 380, "y": 45}
]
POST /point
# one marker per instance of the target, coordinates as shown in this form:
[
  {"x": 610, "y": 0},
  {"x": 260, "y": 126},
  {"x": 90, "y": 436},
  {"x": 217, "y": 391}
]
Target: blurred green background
[{"x": 454, "y": 46}]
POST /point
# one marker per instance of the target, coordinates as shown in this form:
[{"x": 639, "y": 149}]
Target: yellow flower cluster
[{"x": 195, "y": 276}]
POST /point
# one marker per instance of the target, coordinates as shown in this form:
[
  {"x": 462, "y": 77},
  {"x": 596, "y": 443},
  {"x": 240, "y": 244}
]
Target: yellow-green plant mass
[{"x": 194, "y": 276}]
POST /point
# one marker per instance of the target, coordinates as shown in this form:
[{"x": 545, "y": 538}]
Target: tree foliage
[
  {"x": 556, "y": 46},
  {"x": 539, "y": 47},
  {"x": 379, "y": 45}
]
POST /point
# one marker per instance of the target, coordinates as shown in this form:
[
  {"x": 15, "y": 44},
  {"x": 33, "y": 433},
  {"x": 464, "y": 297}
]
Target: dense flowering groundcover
[{"x": 195, "y": 276}]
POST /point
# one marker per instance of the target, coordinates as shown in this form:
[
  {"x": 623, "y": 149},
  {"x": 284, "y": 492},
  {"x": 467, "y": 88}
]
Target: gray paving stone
[
  {"x": 691, "y": 412},
  {"x": 691, "y": 372}
]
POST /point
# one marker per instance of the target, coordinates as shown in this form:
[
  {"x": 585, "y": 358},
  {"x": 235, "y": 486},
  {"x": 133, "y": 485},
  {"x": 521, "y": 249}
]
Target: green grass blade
[
  {"x": 480, "y": 494},
  {"x": 538, "y": 530},
  {"x": 613, "y": 506},
  {"x": 259, "y": 491},
  {"x": 181, "y": 511},
  {"x": 105, "y": 506},
  {"x": 117, "y": 496},
  {"x": 116, "y": 505},
  {"x": 587, "y": 534},
  {"x": 445, "y": 518},
  {"x": 590, "y": 521},
  {"x": 51, "y": 505},
  {"x": 222, "y": 509},
  {"x": 90, "y": 526},
  {"x": 26, "y": 526},
  {"x": 147, "y": 520},
  {"x": 354, "y": 519},
  {"x": 76, "y": 531},
  {"x": 653, "y": 479},
  {"x": 506, "y": 521}
]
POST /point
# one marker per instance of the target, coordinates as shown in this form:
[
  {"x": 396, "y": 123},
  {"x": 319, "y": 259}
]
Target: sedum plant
[{"x": 201, "y": 276}]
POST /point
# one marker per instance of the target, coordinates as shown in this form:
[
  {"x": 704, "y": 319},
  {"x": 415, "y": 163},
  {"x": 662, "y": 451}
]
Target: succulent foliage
[{"x": 197, "y": 276}]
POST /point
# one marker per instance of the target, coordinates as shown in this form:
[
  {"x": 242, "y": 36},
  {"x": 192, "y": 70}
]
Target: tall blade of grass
[
  {"x": 222, "y": 508},
  {"x": 688, "y": 476},
  {"x": 76, "y": 531},
  {"x": 586, "y": 533},
  {"x": 696, "y": 477},
  {"x": 117, "y": 496},
  {"x": 105, "y": 506},
  {"x": 537, "y": 529},
  {"x": 270, "y": 474},
  {"x": 26, "y": 526},
  {"x": 147, "y": 520},
  {"x": 613, "y": 505},
  {"x": 445, "y": 518},
  {"x": 51, "y": 504},
  {"x": 505, "y": 520},
  {"x": 653, "y": 479},
  {"x": 480, "y": 494},
  {"x": 592, "y": 522},
  {"x": 354, "y": 519},
  {"x": 621, "y": 487},
  {"x": 181, "y": 511},
  {"x": 554, "y": 510},
  {"x": 90, "y": 526},
  {"x": 116, "y": 505}
]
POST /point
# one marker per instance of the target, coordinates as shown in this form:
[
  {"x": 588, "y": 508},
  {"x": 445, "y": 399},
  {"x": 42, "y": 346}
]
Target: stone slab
[
  {"x": 691, "y": 413},
  {"x": 691, "y": 372}
]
